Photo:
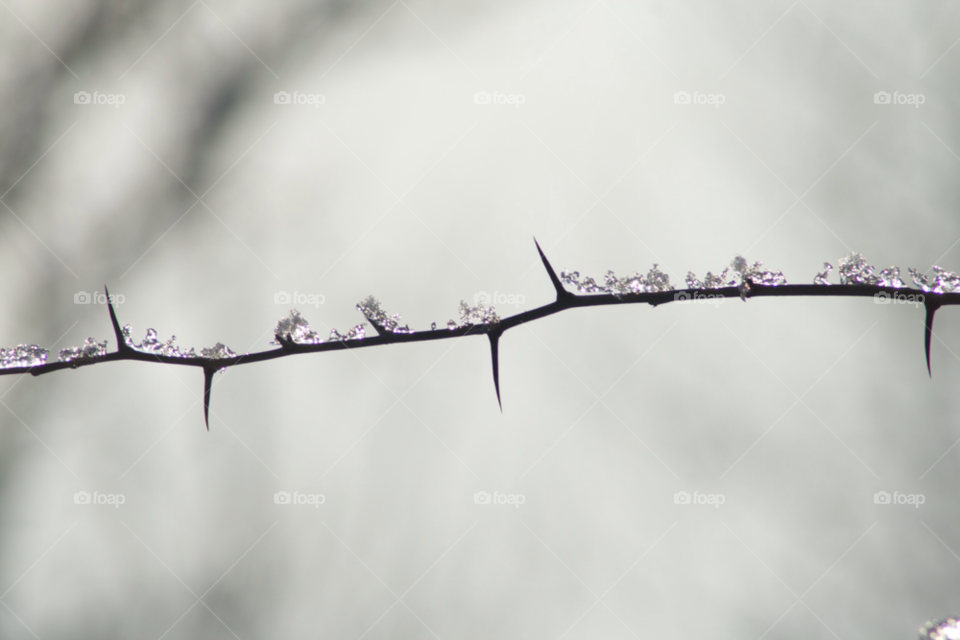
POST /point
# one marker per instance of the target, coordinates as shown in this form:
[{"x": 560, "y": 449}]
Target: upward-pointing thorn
[
  {"x": 931, "y": 308},
  {"x": 121, "y": 342},
  {"x": 561, "y": 292},
  {"x": 207, "y": 386},
  {"x": 494, "y": 348}
]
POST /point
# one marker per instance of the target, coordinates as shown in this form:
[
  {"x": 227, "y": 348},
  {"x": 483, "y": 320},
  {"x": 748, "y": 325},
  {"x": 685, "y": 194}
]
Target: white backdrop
[{"x": 199, "y": 199}]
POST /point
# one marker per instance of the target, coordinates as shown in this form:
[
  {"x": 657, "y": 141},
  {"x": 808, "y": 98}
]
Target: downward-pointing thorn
[
  {"x": 207, "y": 386},
  {"x": 931, "y": 308},
  {"x": 561, "y": 292},
  {"x": 494, "y": 355}
]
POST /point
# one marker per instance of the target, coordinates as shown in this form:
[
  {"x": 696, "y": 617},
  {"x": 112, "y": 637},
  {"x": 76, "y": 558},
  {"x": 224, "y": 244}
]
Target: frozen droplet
[
  {"x": 945, "y": 629},
  {"x": 479, "y": 314},
  {"x": 891, "y": 278},
  {"x": 356, "y": 333},
  {"x": 372, "y": 310},
  {"x": 23, "y": 355},
  {"x": 151, "y": 344},
  {"x": 218, "y": 351},
  {"x": 855, "y": 270},
  {"x": 451, "y": 325},
  {"x": 692, "y": 281},
  {"x": 821, "y": 277},
  {"x": 90, "y": 349},
  {"x": 719, "y": 282},
  {"x": 945, "y": 282},
  {"x": 295, "y": 328},
  {"x": 433, "y": 326}
]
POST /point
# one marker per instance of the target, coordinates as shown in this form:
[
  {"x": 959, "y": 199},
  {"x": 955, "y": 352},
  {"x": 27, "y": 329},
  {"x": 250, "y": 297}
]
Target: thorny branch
[{"x": 753, "y": 284}]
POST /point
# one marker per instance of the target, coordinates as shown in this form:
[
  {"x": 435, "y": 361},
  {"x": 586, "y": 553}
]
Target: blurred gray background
[{"x": 200, "y": 198}]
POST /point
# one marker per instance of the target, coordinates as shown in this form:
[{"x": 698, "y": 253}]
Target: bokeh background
[{"x": 199, "y": 199}]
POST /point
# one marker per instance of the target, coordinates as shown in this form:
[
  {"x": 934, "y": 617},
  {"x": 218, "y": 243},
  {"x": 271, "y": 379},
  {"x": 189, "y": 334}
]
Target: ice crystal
[
  {"x": 356, "y": 333},
  {"x": 479, "y": 314},
  {"x": 150, "y": 344},
  {"x": 821, "y": 277},
  {"x": 655, "y": 280},
  {"x": 719, "y": 282},
  {"x": 296, "y": 329},
  {"x": 373, "y": 311},
  {"x": 23, "y": 355},
  {"x": 891, "y": 278},
  {"x": 946, "y": 281},
  {"x": 90, "y": 349},
  {"x": 692, "y": 281},
  {"x": 855, "y": 270},
  {"x": 218, "y": 351},
  {"x": 946, "y": 629}
]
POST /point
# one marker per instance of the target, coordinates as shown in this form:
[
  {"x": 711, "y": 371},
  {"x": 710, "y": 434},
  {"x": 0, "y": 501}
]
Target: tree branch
[{"x": 495, "y": 329}]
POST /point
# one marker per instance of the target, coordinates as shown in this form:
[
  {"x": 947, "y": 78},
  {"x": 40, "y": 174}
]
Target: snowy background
[{"x": 199, "y": 199}]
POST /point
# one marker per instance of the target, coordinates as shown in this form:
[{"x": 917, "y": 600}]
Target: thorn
[
  {"x": 121, "y": 342},
  {"x": 561, "y": 292},
  {"x": 207, "y": 386},
  {"x": 494, "y": 347},
  {"x": 931, "y": 308}
]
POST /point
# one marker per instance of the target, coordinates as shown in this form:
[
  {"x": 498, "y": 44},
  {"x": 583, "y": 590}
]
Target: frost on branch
[
  {"x": 654, "y": 281},
  {"x": 372, "y": 310},
  {"x": 90, "y": 349},
  {"x": 944, "y": 282},
  {"x": 23, "y": 355},
  {"x": 946, "y": 629},
  {"x": 479, "y": 314},
  {"x": 218, "y": 351},
  {"x": 150, "y": 344},
  {"x": 854, "y": 269},
  {"x": 356, "y": 333},
  {"x": 295, "y": 328}
]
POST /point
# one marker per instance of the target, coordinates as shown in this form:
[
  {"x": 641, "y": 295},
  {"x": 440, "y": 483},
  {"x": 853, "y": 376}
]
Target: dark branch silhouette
[{"x": 494, "y": 328}]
